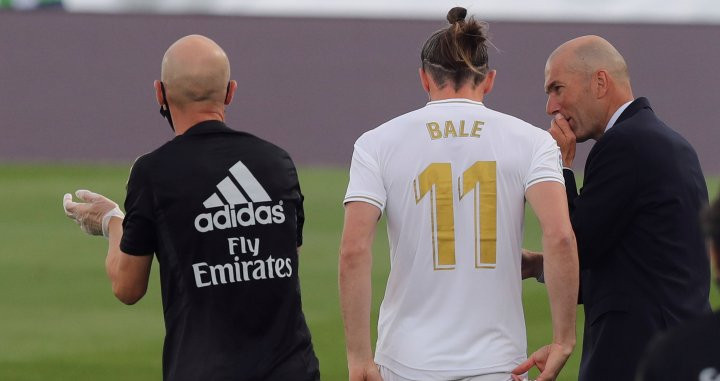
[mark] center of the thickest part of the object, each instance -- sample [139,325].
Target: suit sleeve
[602,211]
[570,188]
[659,361]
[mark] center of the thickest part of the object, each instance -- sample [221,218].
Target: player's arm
[98,215]
[560,265]
[355,267]
[129,274]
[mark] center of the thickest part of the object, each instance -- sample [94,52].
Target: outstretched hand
[549,360]
[563,134]
[93,214]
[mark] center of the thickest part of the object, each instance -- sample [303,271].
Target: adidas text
[248,215]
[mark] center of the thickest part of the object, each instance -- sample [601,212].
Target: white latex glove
[93,215]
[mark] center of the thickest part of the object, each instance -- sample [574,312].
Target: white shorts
[388,375]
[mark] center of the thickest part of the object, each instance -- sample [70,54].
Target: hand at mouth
[568,119]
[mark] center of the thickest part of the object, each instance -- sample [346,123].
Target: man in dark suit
[643,262]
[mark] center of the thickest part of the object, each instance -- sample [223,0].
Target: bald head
[195,70]
[588,54]
[586,80]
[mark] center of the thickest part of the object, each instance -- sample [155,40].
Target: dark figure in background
[691,351]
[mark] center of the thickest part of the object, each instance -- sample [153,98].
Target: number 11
[437,180]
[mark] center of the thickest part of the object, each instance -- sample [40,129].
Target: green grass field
[59,320]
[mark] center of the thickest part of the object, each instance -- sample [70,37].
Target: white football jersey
[451,178]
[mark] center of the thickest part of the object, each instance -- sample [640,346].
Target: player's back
[452,178]
[228,213]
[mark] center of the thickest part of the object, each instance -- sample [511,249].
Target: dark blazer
[643,262]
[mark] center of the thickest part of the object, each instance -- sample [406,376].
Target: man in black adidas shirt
[691,351]
[222,211]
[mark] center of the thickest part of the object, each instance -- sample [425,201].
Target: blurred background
[77,107]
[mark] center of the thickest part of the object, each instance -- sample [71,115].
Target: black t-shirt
[690,352]
[222,210]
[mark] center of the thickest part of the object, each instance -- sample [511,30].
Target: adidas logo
[242,188]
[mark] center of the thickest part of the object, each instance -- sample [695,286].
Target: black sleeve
[300,218]
[298,198]
[139,224]
[602,211]
[570,188]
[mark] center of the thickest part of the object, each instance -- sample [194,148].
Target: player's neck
[184,120]
[466,92]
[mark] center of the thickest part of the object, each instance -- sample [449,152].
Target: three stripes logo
[245,190]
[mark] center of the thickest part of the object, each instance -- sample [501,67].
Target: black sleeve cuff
[135,251]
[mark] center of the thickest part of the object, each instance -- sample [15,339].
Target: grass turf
[59,320]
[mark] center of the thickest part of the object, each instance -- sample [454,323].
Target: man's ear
[601,82]
[424,80]
[232,87]
[158,92]
[489,82]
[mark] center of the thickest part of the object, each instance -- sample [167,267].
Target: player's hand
[531,264]
[549,360]
[93,214]
[365,372]
[565,138]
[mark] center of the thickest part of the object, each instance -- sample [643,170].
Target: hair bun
[456,14]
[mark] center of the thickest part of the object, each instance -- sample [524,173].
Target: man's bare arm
[129,274]
[98,215]
[560,263]
[355,268]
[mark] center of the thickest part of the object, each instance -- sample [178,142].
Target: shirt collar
[616,115]
[207,127]
[455,100]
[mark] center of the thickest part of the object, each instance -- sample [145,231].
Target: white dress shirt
[616,115]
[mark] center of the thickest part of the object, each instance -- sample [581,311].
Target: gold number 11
[437,180]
